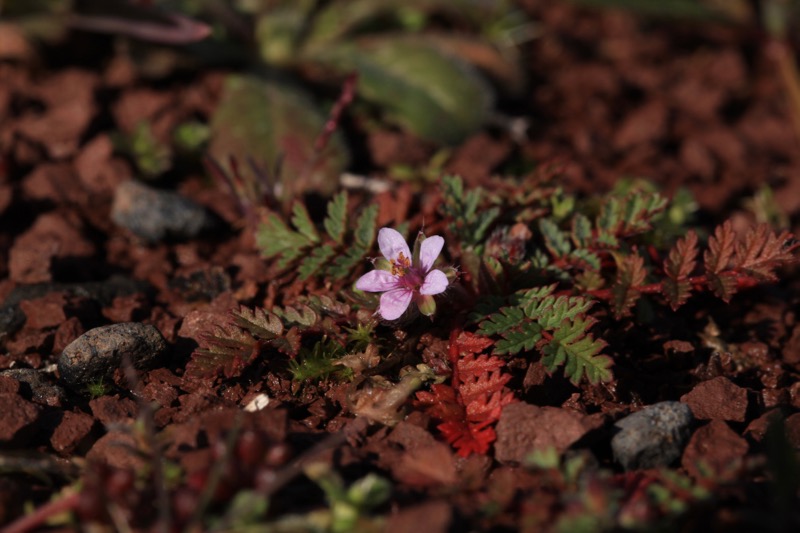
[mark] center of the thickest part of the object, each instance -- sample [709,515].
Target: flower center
[401,265]
[408,276]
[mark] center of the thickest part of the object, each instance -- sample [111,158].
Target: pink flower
[402,281]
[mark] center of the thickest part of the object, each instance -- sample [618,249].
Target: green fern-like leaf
[578,351]
[581,231]
[505,319]
[336,221]
[468,222]
[363,237]
[556,241]
[333,254]
[302,221]
[315,261]
[276,239]
[551,311]
[517,340]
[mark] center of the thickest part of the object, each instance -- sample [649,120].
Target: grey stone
[652,437]
[156,215]
[97,353]
[42,391]
[11,319]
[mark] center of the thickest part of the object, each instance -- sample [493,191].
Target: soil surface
[610,96]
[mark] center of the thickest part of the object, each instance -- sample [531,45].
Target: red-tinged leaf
[471,366]
[630,277]
[721,247]
[288,343]
[724,285]
[227,350]
[469,343]
[468,438]
[678,266]
[479,389]
[762,252]
[491,409]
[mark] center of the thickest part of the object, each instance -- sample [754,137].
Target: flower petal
[377,281]
[429,251]
[395,302]
[392,244]
[435,282]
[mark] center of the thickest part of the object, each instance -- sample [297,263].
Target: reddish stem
[41,515]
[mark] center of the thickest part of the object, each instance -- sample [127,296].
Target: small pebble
[652,437]
[156,215]
[95,355]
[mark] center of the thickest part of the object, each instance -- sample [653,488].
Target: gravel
[95,355]
[156,215]
[652,437]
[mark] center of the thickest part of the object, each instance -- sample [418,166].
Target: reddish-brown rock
[523,428]
[45,312]
[717,447]
[16,414]
[717,399]
[792,425]
[431,517]
[71,431]
[51,236]
[111,409]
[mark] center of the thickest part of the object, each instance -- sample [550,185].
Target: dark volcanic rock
[97,353]
[156,215]
[35,385]
[652,437]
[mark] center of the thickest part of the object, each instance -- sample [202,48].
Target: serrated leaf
[678,266]
[276,239]
[289,343]
[259,322]
[302,315]
[609,217]
[265,120]
[517,340]
[550,311]
[581,231]
[555,240]
[438,98]
[723,285]
[483,221]
[585,258]
[578,351]
[364,233]
[227,349]
[314,262]
[302,221]
[630,277]
[335,222]
[506,319]
[762,251]
[720,248]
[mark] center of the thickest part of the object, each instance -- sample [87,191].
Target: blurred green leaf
[729,10]
[266,120]
[438,97]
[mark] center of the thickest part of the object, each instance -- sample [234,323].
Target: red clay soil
[610,96]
